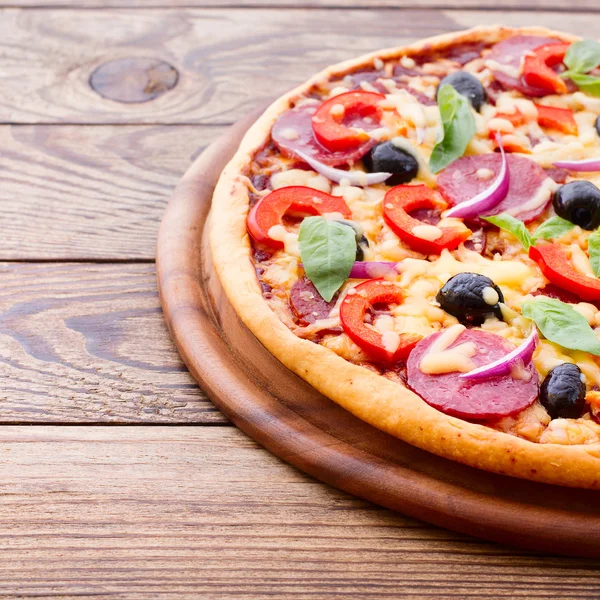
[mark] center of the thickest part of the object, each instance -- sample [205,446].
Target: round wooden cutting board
[288,417]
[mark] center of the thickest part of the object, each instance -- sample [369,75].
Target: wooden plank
[228,60]
[73,192]
[190,512]
[87,343]
[581,5]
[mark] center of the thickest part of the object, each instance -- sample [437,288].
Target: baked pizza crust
[369,396]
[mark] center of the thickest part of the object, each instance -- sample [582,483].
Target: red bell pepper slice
[404,199]
[334,121]
[561,119]
[538,72]
[554,264]
[352,314]
[270,209]
[517,118]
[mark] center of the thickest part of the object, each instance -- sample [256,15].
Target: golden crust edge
[369,396]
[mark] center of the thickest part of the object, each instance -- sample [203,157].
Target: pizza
[415,233]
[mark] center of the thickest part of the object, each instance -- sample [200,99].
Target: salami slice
[494,397]
[462,180]
[293,131]
[307,304]
[509,54]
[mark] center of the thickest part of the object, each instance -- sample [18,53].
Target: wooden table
[118,478]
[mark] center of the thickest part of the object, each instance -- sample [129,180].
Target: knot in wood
[134,79]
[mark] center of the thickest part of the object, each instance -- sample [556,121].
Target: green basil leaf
[554,227]
[587,83]
[594,251]
[512,225]
[459,127]
[562,324]
[328,251]
[583,56]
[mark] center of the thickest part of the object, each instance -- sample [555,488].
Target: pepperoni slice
[509,53]
[460,182]
[307,304]
[494,397]
[293,132]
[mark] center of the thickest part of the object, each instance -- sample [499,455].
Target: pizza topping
[555,265]
[373,270]
[562,392]
[588,164]
[362,243]
[468,85]
[578,202]
[489,398]
[562,324]
[471,298]
[529,190]
[506,58]
[489,198]
[561,119]
[299,121]
[388,157]
[328,251]
[440,360]
[392,347]
[307,304]
[359,178]
[265,218]
[458,127]
[402,200]
[512,364]
[538,71]
[341,123]
[581,58]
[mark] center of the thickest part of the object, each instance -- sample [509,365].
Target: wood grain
[580,5]
[190,512]
[228,60]
[87,343]
[90,193]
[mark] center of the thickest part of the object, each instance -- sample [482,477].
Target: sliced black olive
[471,298]
[361,241]
[563,392]
[387,158]
[598,124]
[468,85]
[578,202]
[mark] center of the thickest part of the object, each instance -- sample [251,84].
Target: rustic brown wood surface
[180,511]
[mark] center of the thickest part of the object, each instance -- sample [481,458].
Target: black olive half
[563,392]
[598,124]
[361,241]
[471,298]
[387,158]
[468,85]
[578,202]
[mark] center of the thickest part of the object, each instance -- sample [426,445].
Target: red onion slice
[588,164]
[372,270]
[489,198]
[504,365]
[359,178]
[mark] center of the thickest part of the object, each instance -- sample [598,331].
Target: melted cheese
[309,179]
[508,70]
[289,239]
[427,232]
[581,262]
[439,359]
